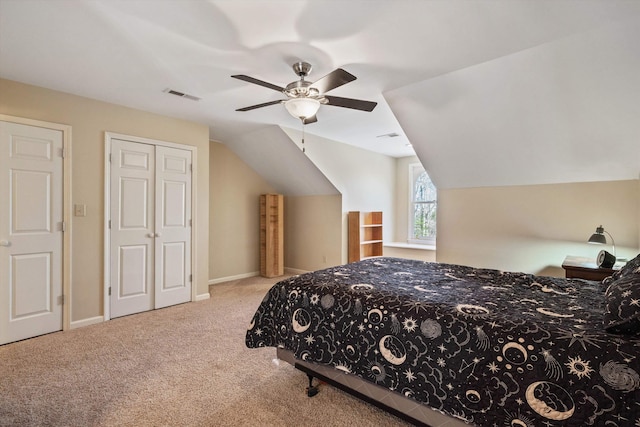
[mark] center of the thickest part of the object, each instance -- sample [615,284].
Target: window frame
[415,170]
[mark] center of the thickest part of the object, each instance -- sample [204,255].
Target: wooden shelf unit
[271,235]
[365,235]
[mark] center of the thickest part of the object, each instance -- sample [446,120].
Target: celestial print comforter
[493,348]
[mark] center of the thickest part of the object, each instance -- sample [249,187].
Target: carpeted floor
[185,365]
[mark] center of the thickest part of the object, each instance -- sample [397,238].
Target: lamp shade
[302,108]
[598,237]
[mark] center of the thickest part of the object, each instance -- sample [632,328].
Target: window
[422,210]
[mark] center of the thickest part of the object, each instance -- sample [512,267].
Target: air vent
[181,94]
[389,135]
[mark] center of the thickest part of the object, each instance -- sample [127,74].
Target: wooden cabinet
[271,235]
[365,235]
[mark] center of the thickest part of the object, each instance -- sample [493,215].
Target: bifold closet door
[132,228]
[173,227]
[150,230]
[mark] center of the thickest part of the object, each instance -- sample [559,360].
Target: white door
[173,228]
[150,234]
[132,227]
[31,237]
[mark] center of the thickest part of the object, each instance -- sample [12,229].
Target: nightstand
[585,268]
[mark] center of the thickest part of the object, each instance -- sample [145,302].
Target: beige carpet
[185,365]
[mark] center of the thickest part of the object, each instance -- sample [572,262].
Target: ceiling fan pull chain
[302,121]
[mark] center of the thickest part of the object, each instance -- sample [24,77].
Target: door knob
[150,235]
[5,243]
[158,234]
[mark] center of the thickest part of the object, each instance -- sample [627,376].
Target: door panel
[134,275]
[30,285]
[173,228]
[174,272]
[134,200]
[30,231]
[131,234]
[30,207]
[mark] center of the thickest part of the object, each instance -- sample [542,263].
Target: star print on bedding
[622,298]
[489,347]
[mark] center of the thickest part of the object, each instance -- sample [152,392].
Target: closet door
[132,233]
[150,230]
[173,227]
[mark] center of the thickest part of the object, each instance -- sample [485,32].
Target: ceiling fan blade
[257,82]
[334,79]
[356,104]
[310,120]
[265,104]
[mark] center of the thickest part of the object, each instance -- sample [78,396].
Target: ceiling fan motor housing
[302,69]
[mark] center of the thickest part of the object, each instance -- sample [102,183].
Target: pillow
[622,299]
[630,268]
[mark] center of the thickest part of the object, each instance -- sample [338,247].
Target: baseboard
[86,322]
[203,297]
[230,278]
[294,271]
[252,274]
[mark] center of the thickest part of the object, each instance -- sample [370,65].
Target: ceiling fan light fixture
[302,108]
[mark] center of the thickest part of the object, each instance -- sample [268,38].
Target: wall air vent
[181,94]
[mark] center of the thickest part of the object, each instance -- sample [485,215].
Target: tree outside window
[424,201]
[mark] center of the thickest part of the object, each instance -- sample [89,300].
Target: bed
[484,347]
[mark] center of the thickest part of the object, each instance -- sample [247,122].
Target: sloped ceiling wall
[565,111]
[271,153]
[489,92]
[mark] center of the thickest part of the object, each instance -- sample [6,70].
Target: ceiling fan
[304,98]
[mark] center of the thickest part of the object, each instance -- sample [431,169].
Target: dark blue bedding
[490,347]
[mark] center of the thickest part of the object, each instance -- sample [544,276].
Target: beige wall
[90,120]
[234,206]
[312,234]
[532,228]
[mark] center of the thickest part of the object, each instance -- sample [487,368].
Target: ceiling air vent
[181,94]
[389,135]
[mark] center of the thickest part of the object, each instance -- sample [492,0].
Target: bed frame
[396,404]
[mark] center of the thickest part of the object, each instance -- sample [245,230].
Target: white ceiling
[490,92]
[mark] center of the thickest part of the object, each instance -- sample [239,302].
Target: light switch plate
[80,210]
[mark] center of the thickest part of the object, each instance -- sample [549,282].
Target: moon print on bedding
[491,347]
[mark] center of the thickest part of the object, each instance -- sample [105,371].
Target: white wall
[365,179]
[565,111]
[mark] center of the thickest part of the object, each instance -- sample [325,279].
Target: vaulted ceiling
[488,92]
